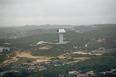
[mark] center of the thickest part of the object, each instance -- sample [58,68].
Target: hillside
[106,35]
[68,57]
[29,30]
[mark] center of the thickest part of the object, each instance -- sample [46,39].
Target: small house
[1,49]
[73,72]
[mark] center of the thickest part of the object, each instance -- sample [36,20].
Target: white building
[42,42]
[61,32]
[1,49]
[4,49]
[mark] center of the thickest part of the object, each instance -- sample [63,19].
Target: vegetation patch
[45,47]
[10,60]
[7,43]
[80,52]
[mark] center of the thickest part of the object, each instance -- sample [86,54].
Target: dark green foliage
[3,57]
[23,60]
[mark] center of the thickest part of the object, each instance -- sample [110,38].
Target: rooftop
[61,31]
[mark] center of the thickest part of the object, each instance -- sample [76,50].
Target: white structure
[86,45]
[2,49]
[61,41]
[61,32]
[42,42]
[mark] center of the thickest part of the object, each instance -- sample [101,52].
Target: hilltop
[24,31]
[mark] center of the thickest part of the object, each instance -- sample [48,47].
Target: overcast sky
[73,12]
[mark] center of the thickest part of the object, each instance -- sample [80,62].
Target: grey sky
[74,12]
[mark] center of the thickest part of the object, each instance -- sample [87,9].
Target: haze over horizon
[73,12]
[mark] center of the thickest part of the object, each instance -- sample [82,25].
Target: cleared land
[44,58]
[28,55]
[45,47]
[84,53]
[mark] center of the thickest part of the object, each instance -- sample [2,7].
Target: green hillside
[75,39]
[97,38]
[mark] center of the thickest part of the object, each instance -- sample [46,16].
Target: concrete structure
[2,49]
[42,42]
[90,73]
[61,32]
[73,72]
[61,38]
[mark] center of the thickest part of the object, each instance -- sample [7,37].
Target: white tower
[61,32]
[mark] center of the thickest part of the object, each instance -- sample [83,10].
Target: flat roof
[61,31]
